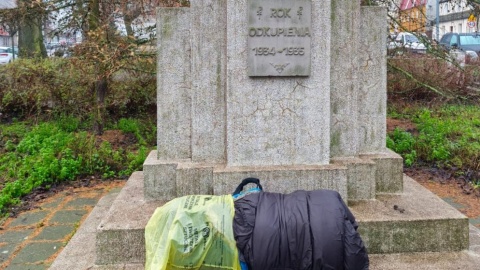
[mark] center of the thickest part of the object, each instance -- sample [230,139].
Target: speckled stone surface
[413,221]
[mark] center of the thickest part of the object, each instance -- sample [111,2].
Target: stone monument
[292,92]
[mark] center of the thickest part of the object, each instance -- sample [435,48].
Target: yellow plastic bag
[192,232]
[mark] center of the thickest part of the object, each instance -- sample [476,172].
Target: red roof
[3,32]
[408,4]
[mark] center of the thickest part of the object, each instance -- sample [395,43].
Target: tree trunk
[101,85]
[94,15]
[30,36]
[12,35]
[83,20]
[128,25]
[130,10]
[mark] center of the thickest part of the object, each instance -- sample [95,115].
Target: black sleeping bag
[300,230]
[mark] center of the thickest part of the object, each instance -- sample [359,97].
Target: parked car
[6,55]
[406,42]
[465,47]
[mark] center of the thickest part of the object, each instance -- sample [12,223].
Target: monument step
[120,234]
[355,178]
[414,221]
[170,179]
[78,256]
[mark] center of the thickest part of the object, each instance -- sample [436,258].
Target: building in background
[412,16]
[456,16]
[8,4]
[5,37]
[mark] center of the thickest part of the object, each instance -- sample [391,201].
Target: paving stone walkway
[34,239]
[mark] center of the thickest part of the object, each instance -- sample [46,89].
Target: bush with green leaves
[448,137]
[43,155]
[403,143]
[143,130]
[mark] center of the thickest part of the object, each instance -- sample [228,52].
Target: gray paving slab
[27,267]
[36,237]
[29,218]
[80,203]
[68,216]
[37,252]
[453,203]
[53,204]
[6,250]
[58,232]
[475,221]
[15,236]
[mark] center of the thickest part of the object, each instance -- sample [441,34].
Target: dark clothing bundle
[301,230]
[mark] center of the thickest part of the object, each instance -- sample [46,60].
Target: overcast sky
[7,4]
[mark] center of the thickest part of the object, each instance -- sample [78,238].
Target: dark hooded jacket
[301,230]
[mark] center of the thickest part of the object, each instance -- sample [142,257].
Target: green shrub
[42,157]
[403,143]
[142,130]
[134,161]
[433,143]
[448,137]
[57,151]
[68,123]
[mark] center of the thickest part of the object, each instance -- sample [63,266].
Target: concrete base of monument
[355,178]
[413,221]
[414,229]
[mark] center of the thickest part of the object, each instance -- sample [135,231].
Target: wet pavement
[33,240]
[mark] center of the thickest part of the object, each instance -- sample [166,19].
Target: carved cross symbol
[300,12]
[259,12]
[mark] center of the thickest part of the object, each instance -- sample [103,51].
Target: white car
[407,42]
[5,55]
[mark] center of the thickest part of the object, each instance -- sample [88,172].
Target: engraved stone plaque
[279,34]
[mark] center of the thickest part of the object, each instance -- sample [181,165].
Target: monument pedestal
[355,179]
[411,220]
[427,234]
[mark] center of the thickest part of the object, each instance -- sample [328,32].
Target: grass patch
[42,155]
[447,137]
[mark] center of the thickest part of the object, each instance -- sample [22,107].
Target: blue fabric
[243,193]
[243,265]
